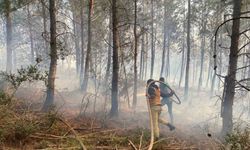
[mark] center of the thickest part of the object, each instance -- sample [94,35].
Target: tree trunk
[213,83]
[248,76]
[193,62]
[227,116]
[164,38]
[146,56]
[182,63]
[53,58]
[46,49]
[8,37]
[126,78]
[115,75]
[168,57]
[152,40]
[32,56]
[88,55]
[203,42]
[188,54]
[142,60]
[183,54]
[210,63]
[135,56]
[109,51]
[82,45]
[76,29]
[220,59]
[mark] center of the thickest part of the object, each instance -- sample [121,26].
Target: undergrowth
[239,139]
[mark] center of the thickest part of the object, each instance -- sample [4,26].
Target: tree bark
[76,28]
[146,56]
[227,116]
[142,60]
[209,64]
[109,51]
[32,56]
[53,58]
[82,45]
[44,28]
[87,61]
[164,38]
[152,40]
[213,83]
[9,62]
[115,75]
[135,56]
[188,54]
[182,63]
[168,57]
[203,42]
[220,59]
[183,54]
[248,76]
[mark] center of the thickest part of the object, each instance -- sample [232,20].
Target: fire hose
[150,113]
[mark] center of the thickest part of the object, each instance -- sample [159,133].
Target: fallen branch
[163,139]
[50,135]
[111,130]
[74,132]
[132,144]
[141,140]
[43,137]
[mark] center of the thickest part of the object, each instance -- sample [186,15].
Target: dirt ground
[197,121]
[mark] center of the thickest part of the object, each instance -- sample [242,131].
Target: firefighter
[154,97]
[166,93]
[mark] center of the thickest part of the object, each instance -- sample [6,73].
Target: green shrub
[23,128]
[4,99]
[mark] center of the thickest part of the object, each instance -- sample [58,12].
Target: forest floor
[196,121]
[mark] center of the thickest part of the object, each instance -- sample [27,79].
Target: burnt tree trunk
[87,61]
[135,56]
[115,75]
[188,54]
[53,58]
[227,116]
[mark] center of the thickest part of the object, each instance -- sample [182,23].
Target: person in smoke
[154,97]
[166,93]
